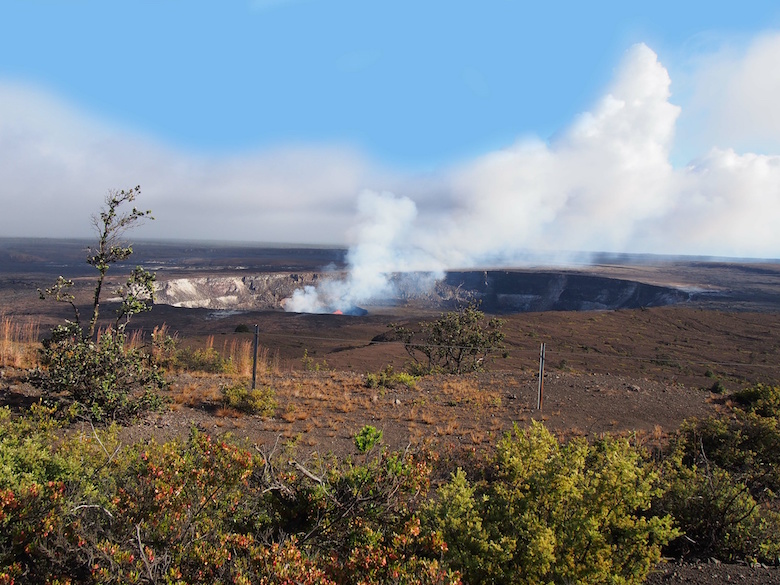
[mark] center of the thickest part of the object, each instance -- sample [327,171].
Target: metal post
[540,395]
[254,357]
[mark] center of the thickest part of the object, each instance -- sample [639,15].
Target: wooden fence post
[254,357]
[540,394]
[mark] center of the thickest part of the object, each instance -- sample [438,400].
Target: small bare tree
[109,379]
[137,295]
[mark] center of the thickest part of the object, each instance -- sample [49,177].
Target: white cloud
[587,191]
[58,164]
[734,102]
[606,184]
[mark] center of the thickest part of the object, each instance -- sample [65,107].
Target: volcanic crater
[497,291]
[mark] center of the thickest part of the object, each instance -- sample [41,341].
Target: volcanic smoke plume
[384,247]
[606,184]
[612,181]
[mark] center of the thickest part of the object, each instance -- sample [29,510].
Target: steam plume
[384,247]
[605,185]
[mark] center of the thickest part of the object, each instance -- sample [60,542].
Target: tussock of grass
[18,343]
[254,401]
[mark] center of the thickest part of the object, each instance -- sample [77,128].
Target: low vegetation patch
[546,512]
[108,379]
[724,480]
[251,400]
[80,507]
[367,438]
[388,378]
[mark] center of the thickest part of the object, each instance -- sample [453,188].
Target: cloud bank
[605,183]
[58,164]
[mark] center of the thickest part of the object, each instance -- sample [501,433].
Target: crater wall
[517,292]
[498,291]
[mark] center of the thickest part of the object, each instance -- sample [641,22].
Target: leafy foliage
[457,342]
[110,226]
[367,438]
[78,507]
[552,513]
[388,378]
[45,493]
[719,516]
[310,364]
[724,480]
[254,401]
[360,518]
[108,378]
[760,399]
[83,510]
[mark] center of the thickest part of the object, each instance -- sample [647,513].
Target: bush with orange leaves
[83,509]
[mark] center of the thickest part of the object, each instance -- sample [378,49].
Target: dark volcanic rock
[515,291]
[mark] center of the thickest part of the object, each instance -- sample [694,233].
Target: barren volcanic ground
[644,368]
[640,369]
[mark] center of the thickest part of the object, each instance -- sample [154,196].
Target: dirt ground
[713,574]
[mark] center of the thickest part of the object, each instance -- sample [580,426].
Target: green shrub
[367,438]
[761,399]
[387,378]
[360,519]
[49,483]
[723,476]
[79,509]
[718,388]
[457,342]
[310,364]
[254,401]
[108,379]
[719,516]
[552,513]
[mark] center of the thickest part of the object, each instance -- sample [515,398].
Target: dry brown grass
[323,406]
[428,417]
[346,403]
[495,424]
[227,412]
[187,395]
[468,392]
[289,415]
[18,343]
[450,427]
[194,394]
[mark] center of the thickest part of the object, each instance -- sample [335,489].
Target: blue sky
[417,84]
[266,119]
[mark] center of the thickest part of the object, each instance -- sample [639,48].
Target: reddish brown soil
[713,574]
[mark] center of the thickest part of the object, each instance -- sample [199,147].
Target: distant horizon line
[534,257]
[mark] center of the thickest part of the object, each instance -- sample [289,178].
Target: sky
[422,134]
